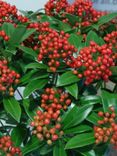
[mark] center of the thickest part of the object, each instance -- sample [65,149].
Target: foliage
[58,74]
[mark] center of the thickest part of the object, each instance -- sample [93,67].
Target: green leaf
[59,150]
[26,105]
[90,100]
[28,51]
[73,90]
[67,79]
[18,135]
[17,35]
[35,66]
[80,140]
[92,36]
[114,70]
[34,85]
[75,40]
[69,115]
[108,99]
[89,153]
[32,145]
[63,26]
[80,116]
[72,18]
[93,118]
[8,28]
[78,129]
[26,78]
[104,19]
[45,149]
[12,107]
[28,33]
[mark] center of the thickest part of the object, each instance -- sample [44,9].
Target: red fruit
[54,137]
[39,129]
[57,126]
[47,122]
[52,130]
[101,114]
[115,127]
[68,101]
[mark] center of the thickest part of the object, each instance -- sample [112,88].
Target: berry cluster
[3,35]
[111,39]
[93,62]
[107,129]
[22,19]
[6,11]
[81,8]
[55,47]
[6,146]
[53,7]
[7,78]
[46,123]
[55,100]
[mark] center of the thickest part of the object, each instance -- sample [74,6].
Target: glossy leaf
[75,40]
[34,85]
[16,40]
[69,115]
[92,36]
[32,145]
[108,99]
[18,135]
[67,79]
[26,105]
[28,51]
[63,26]
[73,90]
[80,140]
[93,118]
[78,129]
[26,78]
[8,28]
[104,19]
[45,149]
[12,107]
[78,117]
[90,100]
[35,66]
[72,18]
[28,33]
[89,153]
[59,150]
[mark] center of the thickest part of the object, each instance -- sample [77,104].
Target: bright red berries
[80,8]
[111,39]
[55,47]
[47,123]
[93,62]
[8,13]
[6,146]
[53,7]
[3,35]
[107,129]
[8,78]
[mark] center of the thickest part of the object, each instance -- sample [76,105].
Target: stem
[55,79]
